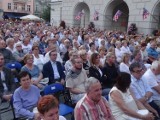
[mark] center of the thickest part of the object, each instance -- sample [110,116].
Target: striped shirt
[86,109]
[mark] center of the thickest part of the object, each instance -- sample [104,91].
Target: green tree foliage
[46,13]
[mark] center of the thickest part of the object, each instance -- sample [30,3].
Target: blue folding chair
[54,89]
[15,68]
[14,65]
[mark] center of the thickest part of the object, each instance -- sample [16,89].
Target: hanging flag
[96,15]
[145,13]
[117,15]
[79,15]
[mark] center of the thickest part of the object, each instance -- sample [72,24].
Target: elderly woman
[124,65]
[36,74]
[10,44]
[26,98]
[122,104]
[48,108]
[18,53]
[118,52]
[38,58]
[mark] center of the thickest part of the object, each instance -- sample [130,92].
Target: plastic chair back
[53,89]
[14,65]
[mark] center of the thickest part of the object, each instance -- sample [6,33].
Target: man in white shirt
[140,88]
[151,76]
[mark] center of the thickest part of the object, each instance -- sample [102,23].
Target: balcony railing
[19,1]
[17,11]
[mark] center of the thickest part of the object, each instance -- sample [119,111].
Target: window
[23,7]
[28,8]
[36,8]
[15,6]
[9,6]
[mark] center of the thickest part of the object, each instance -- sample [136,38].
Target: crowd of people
[111,75]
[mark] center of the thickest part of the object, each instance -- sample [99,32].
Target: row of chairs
[54,89]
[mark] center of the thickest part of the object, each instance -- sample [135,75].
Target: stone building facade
[132,11]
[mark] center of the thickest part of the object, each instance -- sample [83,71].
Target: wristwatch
[146,98]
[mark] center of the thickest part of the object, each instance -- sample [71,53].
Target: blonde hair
[82,52]
[26,57]
[124,56]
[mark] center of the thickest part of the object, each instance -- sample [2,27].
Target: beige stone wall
[106,8]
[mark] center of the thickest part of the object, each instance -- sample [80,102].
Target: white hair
[90,81]
[9,40]
[155,65]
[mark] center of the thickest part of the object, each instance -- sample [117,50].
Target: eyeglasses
[79,62]
[138,71]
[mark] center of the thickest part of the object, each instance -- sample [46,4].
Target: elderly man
[8,56]
[151,76]
[75,79]
[152,53]
[141,89]
[93,106]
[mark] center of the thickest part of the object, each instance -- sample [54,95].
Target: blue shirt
[25,100]
[35,72]
[140,88]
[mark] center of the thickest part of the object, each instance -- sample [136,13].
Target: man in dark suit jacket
[53,69]
[7,85]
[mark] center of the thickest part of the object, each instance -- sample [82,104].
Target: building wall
[39,6]
[19,6]
[56,13]
[132,13]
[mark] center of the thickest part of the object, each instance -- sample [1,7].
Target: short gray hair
[90,81]
[155,65]
[9,40]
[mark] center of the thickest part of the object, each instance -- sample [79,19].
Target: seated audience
[102,53]
[95,71]
[75,80]
[93,106]
[10,44]
[122,104]
[125,48]
[151,77]
[124,65]
[141,89]
[110,70]
[51,47]
[6,81]
[84,57]
[48,108]
[37,58]
[138,58]
[72,55]
[152,53]
[26,97]
[53,69]
[18,53]
[118,52]
[144,53]
[36,74]
[8,56]
[26,46]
